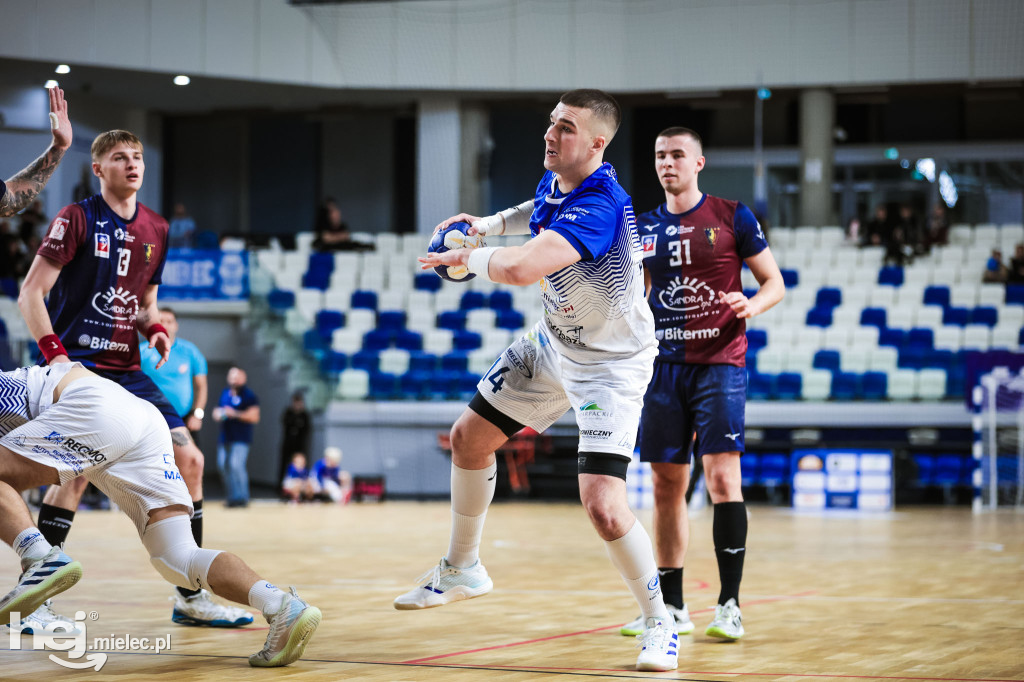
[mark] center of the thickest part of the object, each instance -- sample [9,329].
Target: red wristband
[154,328]
[51,347]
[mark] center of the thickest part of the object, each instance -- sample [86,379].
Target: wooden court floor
[919,594]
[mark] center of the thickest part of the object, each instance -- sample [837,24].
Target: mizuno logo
[730,550]
[101,223]
[732,436]
[651,227]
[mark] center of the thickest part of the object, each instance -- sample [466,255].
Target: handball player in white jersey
[592,353]
[64,421]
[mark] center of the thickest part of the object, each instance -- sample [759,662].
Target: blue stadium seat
[427,281]
[501,300]
[937,295]
[280,300]
[921,337]
[1015,294]
[316,279]
[891,275]
[911,357]
[949,470]
[467,384]
[320,262]
[828,297]
[750,293]
[455,362]
[826,359]
[875,385]
[819,317]
[510,319]
[326,321]
[790,277]
[376,340]
[383,386]
[925,470]
[472,300]
[939,358]
[788,386]
[367,360]
[760,386]
[415,385]
[422,362]
[751,358]
[313,343]
[207,239]
[845,386]
[984,314]
[363,298]
[391,320]
[452,319]
[9,287]
[333,363]
[873,317]
[463,340]
[749,466]
[756,338]
[956,382]
[892,337]
[406,339]
[774,469]
[957,316]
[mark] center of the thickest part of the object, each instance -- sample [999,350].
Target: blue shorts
[141,386]
[683,399]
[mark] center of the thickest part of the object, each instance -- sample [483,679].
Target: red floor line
[586,632]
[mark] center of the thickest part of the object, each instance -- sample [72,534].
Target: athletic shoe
[200,610]
[684,625]
[659,646]
[43,579]
[45,619]
[291,628]
[728,623]
[445,583]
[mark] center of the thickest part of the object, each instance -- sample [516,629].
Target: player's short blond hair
[104,142]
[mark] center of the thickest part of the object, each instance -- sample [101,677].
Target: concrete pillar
[438,162]
[475,156]
[817,121]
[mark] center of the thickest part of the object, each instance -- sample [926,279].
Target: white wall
[530,45]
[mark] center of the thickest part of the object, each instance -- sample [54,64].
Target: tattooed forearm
[180,437]
[26,184]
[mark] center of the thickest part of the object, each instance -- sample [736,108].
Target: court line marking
[584,632]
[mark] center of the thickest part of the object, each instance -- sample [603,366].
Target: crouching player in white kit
[593,353]
[63,421]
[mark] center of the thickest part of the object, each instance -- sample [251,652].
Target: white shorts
[534,384]
[119,442]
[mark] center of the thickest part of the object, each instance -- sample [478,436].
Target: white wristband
[480,260]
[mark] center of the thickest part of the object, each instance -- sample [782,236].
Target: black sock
[672,586]
[55,524]
[197,533]
[729,530]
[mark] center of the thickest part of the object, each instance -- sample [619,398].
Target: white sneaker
[199,610]
[445,583]
[45,619]
[728,623]
[659,646]
[684,625]
[43,579]
[290,631]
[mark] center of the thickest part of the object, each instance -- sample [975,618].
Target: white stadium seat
[931,384]
[353,384]
[902,384]
[816,384]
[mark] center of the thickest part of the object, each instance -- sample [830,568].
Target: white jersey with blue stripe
[27,392]
[595,309]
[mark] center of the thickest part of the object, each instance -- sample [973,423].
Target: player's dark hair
[104,142]
[680,130]
[599,102]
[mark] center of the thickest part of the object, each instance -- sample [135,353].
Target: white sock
[31,546]
[265,597]
[472,492]
[633,555]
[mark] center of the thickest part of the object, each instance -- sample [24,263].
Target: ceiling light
[182,80]
[63,68]
[50,84]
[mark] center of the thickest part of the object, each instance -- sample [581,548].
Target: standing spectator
[913,233]
[329,480]
[183,379]
[937,228]
[877,229]
[297,485]
[1016,274]
[181,229]
[295,424]
[332,233]
[238,411]
[995,270]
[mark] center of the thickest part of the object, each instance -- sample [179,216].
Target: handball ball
[454,237]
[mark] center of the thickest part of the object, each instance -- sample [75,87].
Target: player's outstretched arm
[25,185]
[770,291]
[519,265]
[41,277]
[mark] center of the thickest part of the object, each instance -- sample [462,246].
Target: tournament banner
[205,275]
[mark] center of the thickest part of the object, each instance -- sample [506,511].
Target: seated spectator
[297,485]
[995,270]
[329,481]
[910,225]
[897,250]
[1016,273]
[937,228]
[877,229]
[181,229]
[332,233]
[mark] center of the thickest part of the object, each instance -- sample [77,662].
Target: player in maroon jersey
[694,248]
[100,264]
